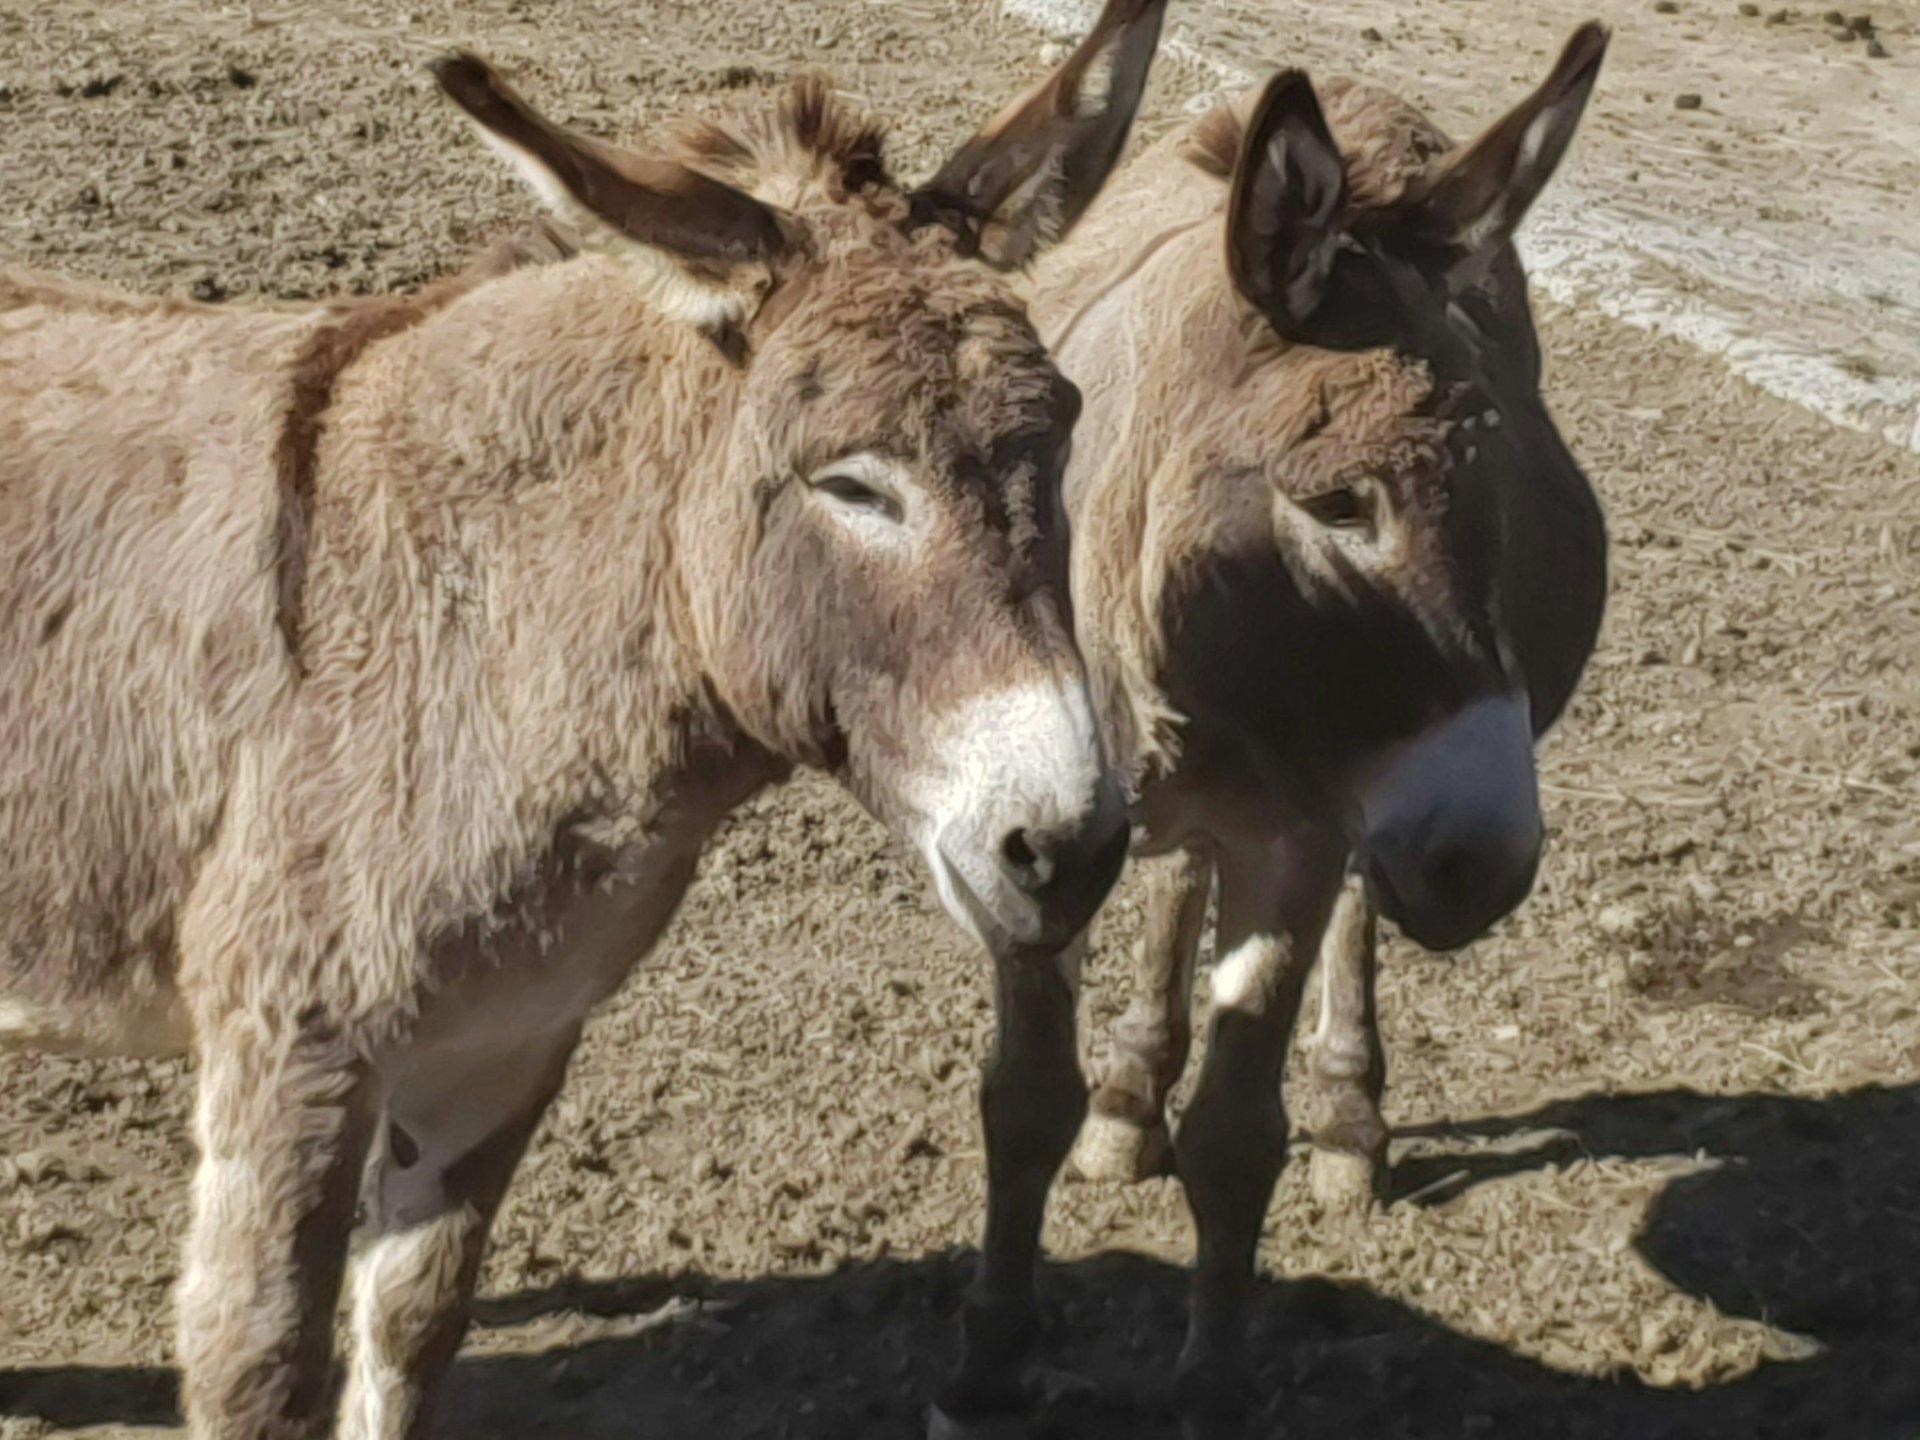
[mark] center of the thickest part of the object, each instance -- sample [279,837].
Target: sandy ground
[1658,1138]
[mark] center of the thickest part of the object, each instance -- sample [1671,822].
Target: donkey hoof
[942,1426]
[1111,1148]
[1345,1182]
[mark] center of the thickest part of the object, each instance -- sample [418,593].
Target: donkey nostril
[405,1149]
[1031,868]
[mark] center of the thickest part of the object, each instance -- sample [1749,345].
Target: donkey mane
[539,242]
[1386,142]
[806,134]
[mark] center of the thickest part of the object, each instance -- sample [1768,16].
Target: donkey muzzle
[1067,871]
[1453,831]
[1028,829]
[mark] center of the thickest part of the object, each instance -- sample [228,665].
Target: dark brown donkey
[1334,571]
[372,674]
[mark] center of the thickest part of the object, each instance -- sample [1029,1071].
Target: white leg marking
[1244,978]
[1323,1029]
[380,1393]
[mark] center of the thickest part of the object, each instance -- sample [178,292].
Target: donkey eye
[1341,508]
[856,493]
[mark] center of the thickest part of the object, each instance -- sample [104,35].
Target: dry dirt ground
[1659,1137]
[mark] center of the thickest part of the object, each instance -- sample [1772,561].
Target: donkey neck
[513,464]
[1158,199]
[1109,302]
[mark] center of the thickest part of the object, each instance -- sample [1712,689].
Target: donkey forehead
[1306,422]
[863,258]
[939,358]
[1310,418]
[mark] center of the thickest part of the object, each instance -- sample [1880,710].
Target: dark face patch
[1371,258]
[1347,592]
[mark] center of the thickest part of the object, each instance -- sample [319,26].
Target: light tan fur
[372,674]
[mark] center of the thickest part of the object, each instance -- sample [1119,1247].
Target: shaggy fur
[373,673]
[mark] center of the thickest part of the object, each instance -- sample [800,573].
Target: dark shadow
[1805,1215]
[1811,1222]
[70,1397]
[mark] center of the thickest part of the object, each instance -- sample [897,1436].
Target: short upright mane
[1213,145]
[1387,142]
[543,241]
[807,134]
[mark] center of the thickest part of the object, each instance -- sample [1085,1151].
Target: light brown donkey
[1334,570]
[371,675]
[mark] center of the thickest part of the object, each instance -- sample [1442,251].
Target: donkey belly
[117,784]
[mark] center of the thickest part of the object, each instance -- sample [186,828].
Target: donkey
[1334,571]
[374,672]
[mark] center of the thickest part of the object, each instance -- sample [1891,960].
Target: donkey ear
[1481,195]
[1021,182]
[1286,219]
[706,225]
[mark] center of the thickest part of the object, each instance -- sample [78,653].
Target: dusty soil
[1658,1138]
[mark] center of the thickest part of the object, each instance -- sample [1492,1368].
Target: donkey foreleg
[284,1116]
[1349,1160]
[1032,1101]
[1125,1136]
[1233,1136]
[456,1128]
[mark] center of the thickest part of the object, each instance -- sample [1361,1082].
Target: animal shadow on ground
[1811,1221]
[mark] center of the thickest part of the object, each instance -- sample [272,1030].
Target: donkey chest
[1222,794]
[544,962]
[554,957]
[565,942]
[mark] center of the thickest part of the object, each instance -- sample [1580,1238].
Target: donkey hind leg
[1349,1160]
[1125,1137]
[283,1121]
[1233,1135]
[1032,1100]
[456,1129]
